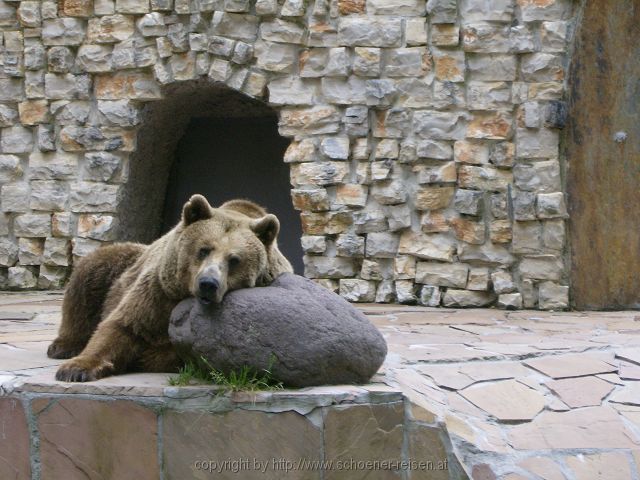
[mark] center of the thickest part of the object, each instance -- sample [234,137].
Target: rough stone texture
[246,321]
[362,433]
[404,114]
[21,278]
[14,443]
[191,436]
[69,429]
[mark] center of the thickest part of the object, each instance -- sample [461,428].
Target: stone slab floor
[522,395]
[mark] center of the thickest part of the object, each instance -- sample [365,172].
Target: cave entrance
[209,139]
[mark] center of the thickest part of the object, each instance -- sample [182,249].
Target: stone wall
[196,432]
[424,158]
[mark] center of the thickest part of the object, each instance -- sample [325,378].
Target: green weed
[245,379]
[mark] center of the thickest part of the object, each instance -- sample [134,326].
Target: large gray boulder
[314,336]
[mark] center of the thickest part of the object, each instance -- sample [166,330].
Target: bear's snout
[208,288]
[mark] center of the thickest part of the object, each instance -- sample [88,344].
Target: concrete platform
[479,394]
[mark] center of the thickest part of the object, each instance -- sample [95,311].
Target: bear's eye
[204,253]
[234,261]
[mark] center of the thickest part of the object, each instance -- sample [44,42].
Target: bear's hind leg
[140,321]
[86,293]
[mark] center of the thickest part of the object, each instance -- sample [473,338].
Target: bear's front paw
[84,369]
[62,349]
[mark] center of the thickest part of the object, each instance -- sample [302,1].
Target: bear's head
[218,251]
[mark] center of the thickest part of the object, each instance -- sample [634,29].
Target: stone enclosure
[424,151]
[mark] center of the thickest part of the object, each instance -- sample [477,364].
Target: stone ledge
[341,432]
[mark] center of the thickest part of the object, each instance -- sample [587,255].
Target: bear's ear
[197,208]
[266,228]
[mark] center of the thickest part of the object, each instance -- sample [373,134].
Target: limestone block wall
[425,134]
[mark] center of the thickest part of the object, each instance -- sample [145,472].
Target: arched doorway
[207,138]
[603,157]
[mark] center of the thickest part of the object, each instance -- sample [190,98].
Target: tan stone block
[352,195]
[490,125]
[30,251]
[484,178]
[433,198]
[33,112]
[309,121]
[314,200]
[240,434]
[500,231]
[61,225]
[442,173]
[434,222]
[329,223]
[14,440]
[347,7]
[425,445]
[506,400]
[98,435]
[110,28]
[449,66]
[387,148]
[471,152]
[416,31]
[478,279]
[468,298]
[75,8]
[303,151]
[127,85]
[468,230]
[404,267]
[255,84]
[97,226]
[545,91]
[427,246]
[363,433]
[445,34]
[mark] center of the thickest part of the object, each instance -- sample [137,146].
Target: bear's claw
[83,370]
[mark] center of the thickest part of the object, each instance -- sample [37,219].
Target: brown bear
[116,309]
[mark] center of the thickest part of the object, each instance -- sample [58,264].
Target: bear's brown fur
[119,298]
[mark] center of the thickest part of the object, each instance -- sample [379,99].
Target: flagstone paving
[522,395]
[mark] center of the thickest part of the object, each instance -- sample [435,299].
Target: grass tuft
[245,379]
